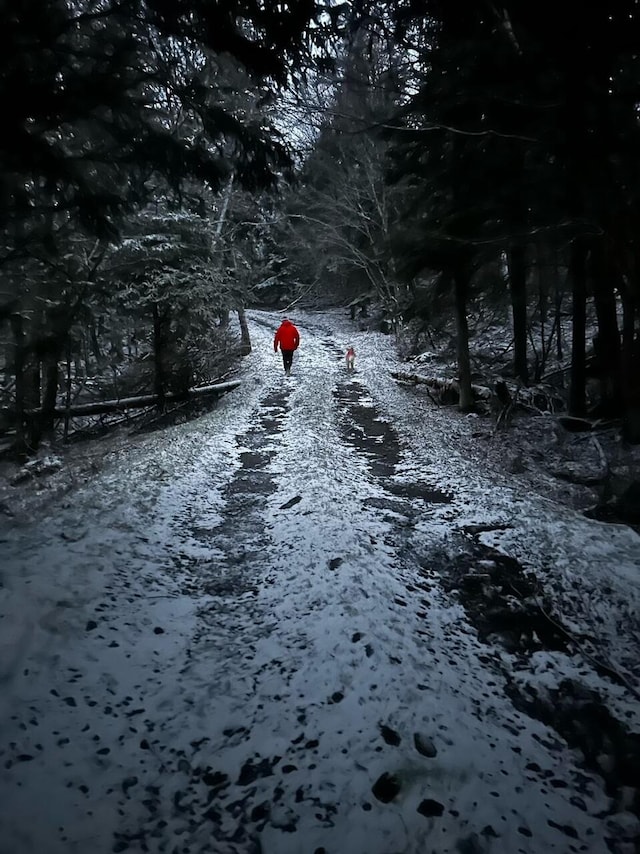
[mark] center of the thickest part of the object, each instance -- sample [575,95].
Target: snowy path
[246,636]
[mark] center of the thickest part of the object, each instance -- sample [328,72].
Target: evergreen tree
[539,104]
[117,101]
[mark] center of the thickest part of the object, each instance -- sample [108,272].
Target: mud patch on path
[507,607]
[421,491]
[608,749]
[504,602]
[364,429]
[238,539]
[273,411]
[244,494]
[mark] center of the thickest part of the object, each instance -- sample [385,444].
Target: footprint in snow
[430,808]
[390,735]
[424,745]
[386,787]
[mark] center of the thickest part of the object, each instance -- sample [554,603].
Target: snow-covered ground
[284,628]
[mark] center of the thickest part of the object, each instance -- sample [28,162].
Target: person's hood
[286,322]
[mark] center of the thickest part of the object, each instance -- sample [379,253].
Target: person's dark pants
[287,359]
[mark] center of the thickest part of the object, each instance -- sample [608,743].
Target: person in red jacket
[288,337]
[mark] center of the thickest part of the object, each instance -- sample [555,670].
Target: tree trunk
[67,391]
[544,266]
[557,307]
[630,368]
[160,324]
[245,338]
[142,401]
[95,345]
[579,182]
[461,288]
[32,374]
[50,391]
[542,319]
[518,289]
[17,328]
[607,342]
[578,273]
[226,198]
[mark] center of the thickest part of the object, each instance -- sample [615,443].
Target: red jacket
[287,336]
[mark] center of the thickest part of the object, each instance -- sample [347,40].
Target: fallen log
[103,407]
[448,389]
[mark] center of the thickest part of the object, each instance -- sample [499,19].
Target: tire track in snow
[337,729]
[377,440]
[275,677]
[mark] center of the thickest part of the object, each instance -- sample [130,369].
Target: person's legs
[287,359]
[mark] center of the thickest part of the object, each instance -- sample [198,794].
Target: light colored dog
[351,359]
